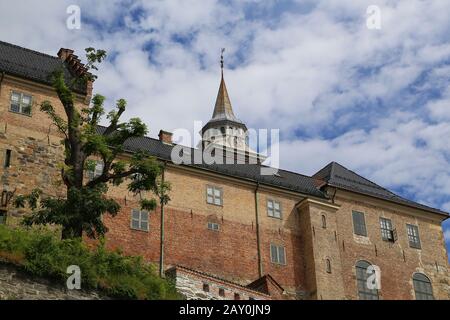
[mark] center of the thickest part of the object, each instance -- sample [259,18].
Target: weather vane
[221,59]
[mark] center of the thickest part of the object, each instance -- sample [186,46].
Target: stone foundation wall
[17,285]
[191,283]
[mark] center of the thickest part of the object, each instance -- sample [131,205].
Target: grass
[40,253]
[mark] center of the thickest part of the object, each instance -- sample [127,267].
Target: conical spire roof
[223,109]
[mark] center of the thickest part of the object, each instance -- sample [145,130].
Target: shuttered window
[413,236]
[359,223]
[387,233]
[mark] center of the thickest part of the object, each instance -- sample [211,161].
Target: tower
[225,132]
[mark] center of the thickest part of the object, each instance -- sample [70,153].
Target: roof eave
[430,210]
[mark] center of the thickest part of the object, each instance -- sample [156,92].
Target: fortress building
[231,232]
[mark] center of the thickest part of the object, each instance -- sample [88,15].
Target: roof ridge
[29,50]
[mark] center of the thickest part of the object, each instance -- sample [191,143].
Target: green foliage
[42,254]
[87,201]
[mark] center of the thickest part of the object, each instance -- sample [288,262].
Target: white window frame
[22,105]
[140,220]
[99,166]
[215,197]
[271,209]
[277,260]
[213,226]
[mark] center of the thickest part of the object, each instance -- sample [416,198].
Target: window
[237,296]
[273,209]
[422,287]
[413,236]
[387,233]
[7,162]
[214,195]
[222,292]
[362,275]
[2,216]
[206,287]
[139,220]
[277,254]
[328,264]
[97,171]
[324,221]
[359,224]
[20,103]
[213,226]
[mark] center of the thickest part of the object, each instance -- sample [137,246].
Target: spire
[223,109]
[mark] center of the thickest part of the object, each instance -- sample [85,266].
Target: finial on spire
[221,59]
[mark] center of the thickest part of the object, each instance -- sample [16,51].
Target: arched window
[422,287]
[324,221]
[328,262]
[364,293]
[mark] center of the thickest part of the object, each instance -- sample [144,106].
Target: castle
[231,232]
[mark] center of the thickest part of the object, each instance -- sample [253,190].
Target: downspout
[161,256]
[1,80]
[258,239]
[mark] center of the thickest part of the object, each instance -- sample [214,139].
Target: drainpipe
[258,240]
[161,256]
[1,80]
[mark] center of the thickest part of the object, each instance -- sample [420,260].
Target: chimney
[63,54]
[78,69]
[165,137]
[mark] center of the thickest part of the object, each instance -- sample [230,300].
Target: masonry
[16,284]
[228,227]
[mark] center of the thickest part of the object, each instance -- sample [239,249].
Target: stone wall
[17,285]
[191,284]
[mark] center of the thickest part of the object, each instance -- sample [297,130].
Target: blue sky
[377,101]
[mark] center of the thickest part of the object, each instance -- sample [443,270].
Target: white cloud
[352,94]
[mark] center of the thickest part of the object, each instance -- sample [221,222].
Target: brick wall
[397,261]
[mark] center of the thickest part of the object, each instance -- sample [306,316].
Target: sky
[375,100]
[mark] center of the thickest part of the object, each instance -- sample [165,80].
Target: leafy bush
[42,254]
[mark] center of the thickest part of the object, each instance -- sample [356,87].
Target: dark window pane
[362,275]
[422,287]
[135,224]
[359,223]
[15,107]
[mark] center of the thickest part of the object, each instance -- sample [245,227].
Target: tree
[86,199]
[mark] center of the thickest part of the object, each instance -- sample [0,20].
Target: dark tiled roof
[32,65]
[252,172]
[338,176]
